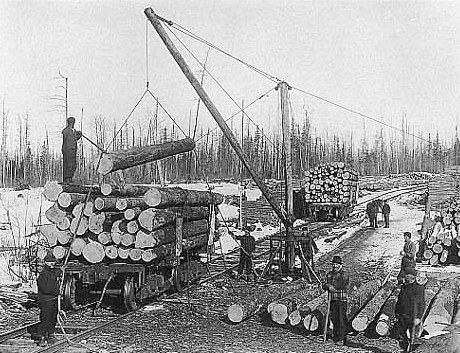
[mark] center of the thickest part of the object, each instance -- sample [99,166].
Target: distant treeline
[214,158]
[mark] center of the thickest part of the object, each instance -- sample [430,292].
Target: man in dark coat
[337,283]
[70,136]
[48,291]
[309,249]
[371,210]
[408,256]
[247,247]
[386,213]
[409,309]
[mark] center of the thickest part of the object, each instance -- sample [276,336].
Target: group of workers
[410,304]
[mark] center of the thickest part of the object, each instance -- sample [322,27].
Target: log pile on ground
[133,223]
[442,242]
[331,183]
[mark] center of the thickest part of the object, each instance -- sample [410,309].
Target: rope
[275,79]
[204,41]
[220,85]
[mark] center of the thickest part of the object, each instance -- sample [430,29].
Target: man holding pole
[337,283]
[70,136]
[409,309]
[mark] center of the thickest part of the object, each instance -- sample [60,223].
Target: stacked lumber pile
[442,243]
[135,223]
[331,183]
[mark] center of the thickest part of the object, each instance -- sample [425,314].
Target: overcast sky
[381,58]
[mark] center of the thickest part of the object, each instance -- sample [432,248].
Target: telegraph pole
[283,87]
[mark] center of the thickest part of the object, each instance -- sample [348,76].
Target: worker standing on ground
[408,256]
[247,247]
[48,291]
[409,309]
[309,249]
[70,136]
[371,211]
[386,213]
[337,283]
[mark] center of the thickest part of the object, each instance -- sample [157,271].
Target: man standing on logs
[247,247]
[408,257]
[409,310]
[386,213]
[48,291]
[337,283]
[70,136]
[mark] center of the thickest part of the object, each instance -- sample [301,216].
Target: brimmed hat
[407,234]
[337,260]
[411,271]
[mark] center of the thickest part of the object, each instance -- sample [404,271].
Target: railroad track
[81,325]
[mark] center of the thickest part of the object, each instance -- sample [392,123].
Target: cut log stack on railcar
[331,191]
[134,241]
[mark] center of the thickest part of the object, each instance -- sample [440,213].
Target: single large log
[111,252]
[51,190]
[152,218]
[167,197]
[64,223]
[67,199]
[259,298]
[94,252]
[359,297]
[314,313]
[144,240]
[122,159]
[370,311]
[59,252]
[282,308]
[442,308]
[132,213]
[386,317]
[64,237]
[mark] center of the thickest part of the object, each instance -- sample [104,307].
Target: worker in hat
[337,283]
[247,247]
[308,249]
[409,309]
[70,136]
[408,256]
[48,291]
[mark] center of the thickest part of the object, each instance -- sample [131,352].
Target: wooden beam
[212,109]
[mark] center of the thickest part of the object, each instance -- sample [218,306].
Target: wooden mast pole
[289,202]
[212,109]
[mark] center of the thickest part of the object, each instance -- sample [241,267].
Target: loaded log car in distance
[330,191]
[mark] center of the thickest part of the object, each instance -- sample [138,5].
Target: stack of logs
[130,223]
[442,243]
[331,183]
[371,307]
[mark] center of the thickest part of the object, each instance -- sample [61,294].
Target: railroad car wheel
[176,275]
[129,294]
[70,289]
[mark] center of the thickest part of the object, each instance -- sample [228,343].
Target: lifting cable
[220,85]
[273,78]
[204,41]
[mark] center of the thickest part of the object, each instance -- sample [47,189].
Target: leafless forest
[214,158]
